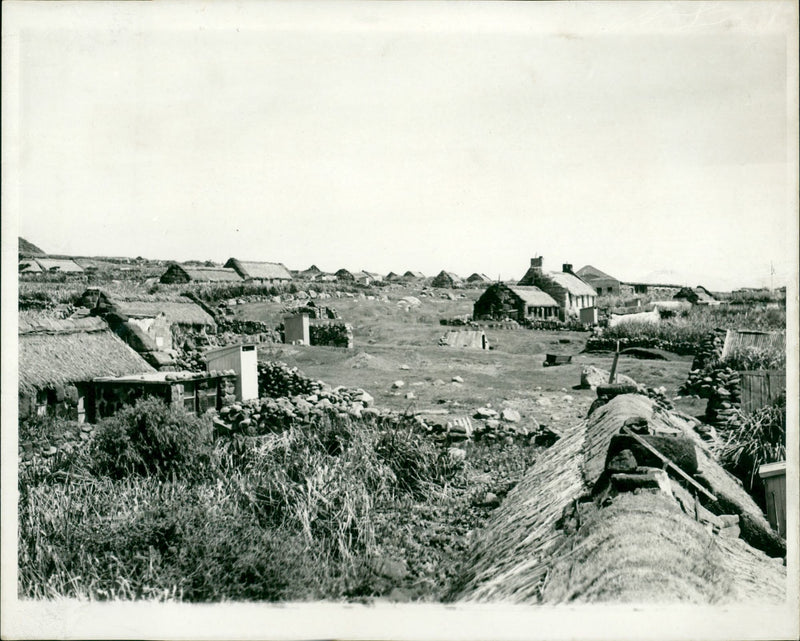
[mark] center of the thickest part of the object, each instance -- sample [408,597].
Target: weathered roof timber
[640,548]
[69,351]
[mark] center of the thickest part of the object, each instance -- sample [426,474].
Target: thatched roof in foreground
[641,548]
[55,352]
[182,313]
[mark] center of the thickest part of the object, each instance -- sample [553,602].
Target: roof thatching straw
[550,543]
[61,352]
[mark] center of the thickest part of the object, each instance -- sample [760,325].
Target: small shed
[412,276]
[242,359]
[478,278]
[473,339]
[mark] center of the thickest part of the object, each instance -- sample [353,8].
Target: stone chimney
[536,264]
[566,268]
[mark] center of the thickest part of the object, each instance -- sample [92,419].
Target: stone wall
[332,335]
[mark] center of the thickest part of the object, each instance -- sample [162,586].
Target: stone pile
[72,437]
[710,378]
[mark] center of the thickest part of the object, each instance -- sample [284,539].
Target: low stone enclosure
[601,517]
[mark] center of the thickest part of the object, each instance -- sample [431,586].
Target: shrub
[152,439]
[755,439]
[754,358]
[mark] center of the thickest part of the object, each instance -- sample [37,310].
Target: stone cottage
[59,359]
[568,290]
[447,279]
[501,301]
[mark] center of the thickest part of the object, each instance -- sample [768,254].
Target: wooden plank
[613,374]
[668,462]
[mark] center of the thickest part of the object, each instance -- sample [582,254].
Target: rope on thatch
[544,545]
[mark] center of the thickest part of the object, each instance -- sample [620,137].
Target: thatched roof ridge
[43,325]
[572,283]
[259,270]
[181,313]
[211,273]
[533,295]
[641,547]
[63,352]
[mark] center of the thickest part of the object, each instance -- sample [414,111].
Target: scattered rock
[485,412]
[405,367]
[457,379]
[490,500]
[410,395]
[544,402]
[510,416]
[398,384]
[456,454]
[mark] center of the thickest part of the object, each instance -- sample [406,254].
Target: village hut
[184,274]
[475,277]
[411,276]
[58,359]
[603,284]
[501,301]
[260,271]
[570,292]
[447,279]
[374,277]
[392,277]
[344,276]
[576,530]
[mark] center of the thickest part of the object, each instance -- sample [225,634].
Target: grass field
[392,344]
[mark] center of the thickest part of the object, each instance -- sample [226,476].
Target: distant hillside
[27,248]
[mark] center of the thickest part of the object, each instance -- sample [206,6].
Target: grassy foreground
[156,507]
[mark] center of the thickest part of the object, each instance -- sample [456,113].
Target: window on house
[189,397]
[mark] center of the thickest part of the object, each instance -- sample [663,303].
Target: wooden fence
[760,388]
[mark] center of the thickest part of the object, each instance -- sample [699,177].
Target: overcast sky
[649,140]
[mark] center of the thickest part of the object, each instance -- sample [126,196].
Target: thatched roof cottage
[501,301]
[150,323]
[262,271]
[573,530]
[184,274]
[478,278]
[59,359]
[446,279]
[568,290]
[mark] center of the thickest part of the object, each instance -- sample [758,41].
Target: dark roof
[410,274]
[259,270]
[57,352]
[533,296]
[478,278]
[593,273]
